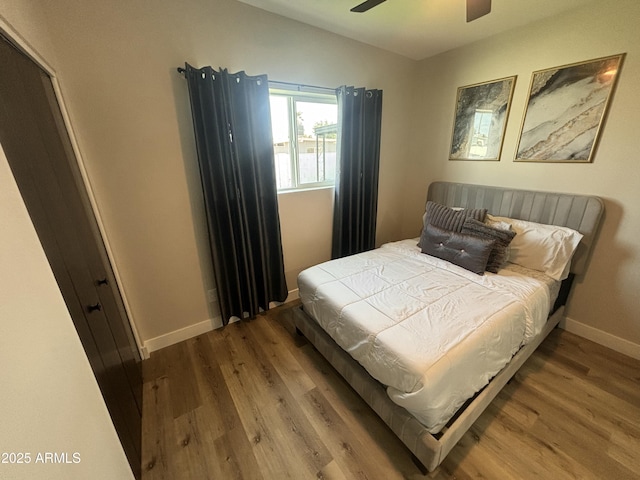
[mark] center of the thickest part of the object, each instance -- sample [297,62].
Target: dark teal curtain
[356,189]
[232,124]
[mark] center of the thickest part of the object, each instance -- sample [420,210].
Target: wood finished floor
[255,401]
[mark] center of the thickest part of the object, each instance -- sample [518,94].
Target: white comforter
[430,331]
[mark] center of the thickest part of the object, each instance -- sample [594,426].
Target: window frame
[293,97]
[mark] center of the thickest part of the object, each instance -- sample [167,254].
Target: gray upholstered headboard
[580,212]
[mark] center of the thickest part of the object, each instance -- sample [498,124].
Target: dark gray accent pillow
[448,218]
[466,251]
[502,239]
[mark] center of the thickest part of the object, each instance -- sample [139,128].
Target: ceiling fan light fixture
[477,9]
[368,5]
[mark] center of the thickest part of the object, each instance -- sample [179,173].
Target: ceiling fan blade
[368,5]
[477,9]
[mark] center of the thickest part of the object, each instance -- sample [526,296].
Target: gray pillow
[466,251]
[502,239]
[448,218]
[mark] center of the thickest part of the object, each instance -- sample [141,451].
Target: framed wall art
[481,113]
[566,109]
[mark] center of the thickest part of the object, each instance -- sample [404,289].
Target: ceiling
[415,28]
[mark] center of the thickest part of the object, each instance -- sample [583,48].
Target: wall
[50,400]
[129,108]
[605,304]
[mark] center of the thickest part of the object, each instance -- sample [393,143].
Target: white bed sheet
[432,332]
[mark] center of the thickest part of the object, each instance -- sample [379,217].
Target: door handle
[102,281]
[93,308]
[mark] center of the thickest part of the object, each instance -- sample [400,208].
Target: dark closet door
[39,151]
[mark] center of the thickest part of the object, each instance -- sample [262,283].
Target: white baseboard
[603,338]
[194,330]
[144,352]
[293,295]
[177,336]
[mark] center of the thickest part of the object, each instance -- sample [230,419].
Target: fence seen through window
[305,130]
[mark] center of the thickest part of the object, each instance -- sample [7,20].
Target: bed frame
[579,212]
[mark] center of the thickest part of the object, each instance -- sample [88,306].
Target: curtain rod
[289,84]
[302,86]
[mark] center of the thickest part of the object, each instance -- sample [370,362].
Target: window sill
[302,190]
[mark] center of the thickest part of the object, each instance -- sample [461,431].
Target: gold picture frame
[566,109]
[481,113]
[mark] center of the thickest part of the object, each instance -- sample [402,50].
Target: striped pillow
[450,218]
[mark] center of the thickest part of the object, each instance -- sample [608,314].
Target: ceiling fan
[475,8]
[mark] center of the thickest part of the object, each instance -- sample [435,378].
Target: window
[482,121]
[305,130]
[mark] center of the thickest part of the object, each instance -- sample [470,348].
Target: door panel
[99,269]
[37,146]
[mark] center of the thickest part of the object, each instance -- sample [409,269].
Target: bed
[428,338]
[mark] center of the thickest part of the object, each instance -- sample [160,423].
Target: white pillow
[546,248]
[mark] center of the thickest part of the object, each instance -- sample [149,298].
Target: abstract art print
[565,111]
[480,120]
